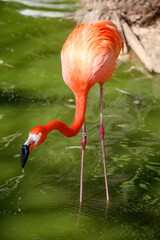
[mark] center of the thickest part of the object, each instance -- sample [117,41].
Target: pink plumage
[88,57]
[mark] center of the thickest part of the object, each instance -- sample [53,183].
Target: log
[136,46]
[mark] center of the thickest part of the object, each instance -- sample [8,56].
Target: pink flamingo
[88,57]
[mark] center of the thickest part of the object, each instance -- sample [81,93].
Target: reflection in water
[79,147]
[40,13]
[1,116]
[137,99]
[44,5]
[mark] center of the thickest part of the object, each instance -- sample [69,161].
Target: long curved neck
[81,104]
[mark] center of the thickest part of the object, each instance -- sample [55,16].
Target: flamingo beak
[24,155]
[26,149]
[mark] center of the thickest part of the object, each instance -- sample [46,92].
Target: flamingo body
[88,57]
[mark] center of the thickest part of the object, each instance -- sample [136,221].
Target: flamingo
[88,57]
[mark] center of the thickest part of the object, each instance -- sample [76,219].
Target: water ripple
[7,188]
[8,139]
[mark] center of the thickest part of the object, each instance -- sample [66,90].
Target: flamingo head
[36,136]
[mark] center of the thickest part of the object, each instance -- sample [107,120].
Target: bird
[88,56]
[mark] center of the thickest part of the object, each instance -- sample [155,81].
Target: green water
[43,202]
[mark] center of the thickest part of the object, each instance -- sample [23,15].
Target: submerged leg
[83,144]
[101,132]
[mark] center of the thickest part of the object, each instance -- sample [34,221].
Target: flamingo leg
[101,132]
[83,144]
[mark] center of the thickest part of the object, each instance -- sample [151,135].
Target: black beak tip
[24,155]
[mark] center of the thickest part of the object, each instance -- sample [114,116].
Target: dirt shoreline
[141,32]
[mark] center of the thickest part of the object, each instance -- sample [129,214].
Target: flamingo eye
[40,134]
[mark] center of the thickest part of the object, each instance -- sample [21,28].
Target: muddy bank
[138,21]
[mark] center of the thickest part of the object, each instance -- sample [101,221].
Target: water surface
[42,203]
